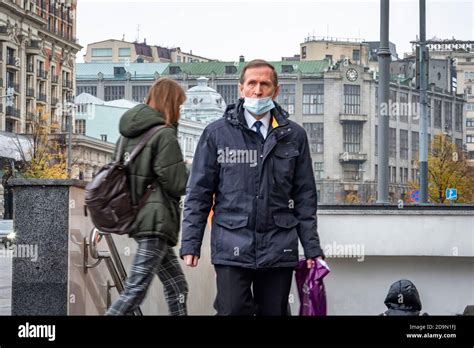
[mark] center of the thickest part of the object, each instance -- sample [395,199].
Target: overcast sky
[263,28]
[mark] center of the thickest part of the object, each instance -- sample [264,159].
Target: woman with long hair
[159,164]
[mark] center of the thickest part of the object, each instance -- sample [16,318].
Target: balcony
[13,62]
[54,102]
[41,74]
[33,47]
[352,157]
[41,98]
[54,79]
[30,92]
[352,118]
[12,112]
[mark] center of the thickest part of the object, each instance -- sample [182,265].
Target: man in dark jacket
[254,168]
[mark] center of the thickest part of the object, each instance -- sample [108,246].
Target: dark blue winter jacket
[263,195]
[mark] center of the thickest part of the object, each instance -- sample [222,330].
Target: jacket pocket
[286,151]
[285,220]
[284,241]
[283,164]
[231,221]
[234,241]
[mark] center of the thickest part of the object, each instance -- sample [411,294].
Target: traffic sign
[415,196]
[451,194]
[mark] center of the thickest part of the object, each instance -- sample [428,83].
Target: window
[403,175]
[303,52]
[103,137]
[101,52]
[470,122]
[231,69]
[286,98]
[415,175]
[230,93]
[415,145]
[329,57]
[415,108]
[437,113]
[80,127]
[313,99]
[376,102]
[319,170]
[351,171]
[448,116]
[87,89]
[139,93]
[352,137]
[351,99]
[287,69]
[189,144]
[458,118]
[458,143]
[403,144]
[392,142]
[124,52]
[392,174]
[356,54]
[470,138]
[392,100]
[376,140]
[469,106]
[315,133]
[114,92]
[403,107]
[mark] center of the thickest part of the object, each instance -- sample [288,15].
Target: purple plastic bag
[309,282]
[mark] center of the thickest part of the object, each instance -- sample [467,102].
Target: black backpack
[108,196]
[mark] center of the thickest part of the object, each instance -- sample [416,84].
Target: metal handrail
[112,259]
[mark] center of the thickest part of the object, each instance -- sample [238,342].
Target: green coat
[160,162]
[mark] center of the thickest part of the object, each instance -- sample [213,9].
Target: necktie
[257,125]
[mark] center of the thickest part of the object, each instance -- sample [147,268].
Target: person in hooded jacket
[403,299]
[253,168]
[158,222]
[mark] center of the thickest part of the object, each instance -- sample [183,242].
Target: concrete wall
[367,247]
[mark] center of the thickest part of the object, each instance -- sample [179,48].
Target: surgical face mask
[258,106]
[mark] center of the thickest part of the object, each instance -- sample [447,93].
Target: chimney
[241,59]
[191,52]
[144,40]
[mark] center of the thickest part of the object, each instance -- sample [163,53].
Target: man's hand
[312,262]
[190,260]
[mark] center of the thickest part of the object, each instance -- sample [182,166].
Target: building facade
[37,58]
[335,49]
[114,51]
[337,105]
[461,55]
[99,120]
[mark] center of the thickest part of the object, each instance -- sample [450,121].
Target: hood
[403,296]
[138,120]
[234,113]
